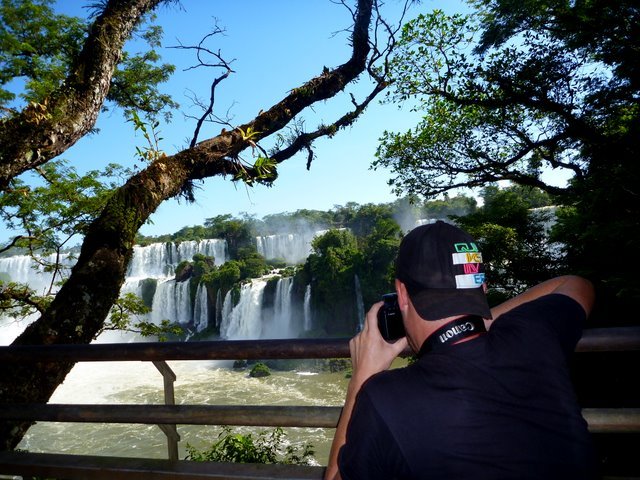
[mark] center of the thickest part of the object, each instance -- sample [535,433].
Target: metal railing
[167,416]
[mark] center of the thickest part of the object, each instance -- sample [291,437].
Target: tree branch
[44,130]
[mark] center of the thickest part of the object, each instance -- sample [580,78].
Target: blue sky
[277,45]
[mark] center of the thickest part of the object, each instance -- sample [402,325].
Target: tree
[376,267]
[78,310]
[331,270]
[531,85]
[366,217]
[237,232]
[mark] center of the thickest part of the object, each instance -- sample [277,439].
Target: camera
[390,319]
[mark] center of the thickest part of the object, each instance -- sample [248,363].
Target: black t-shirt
[500,406]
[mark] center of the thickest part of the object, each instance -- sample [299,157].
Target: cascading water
[244,320]
[293,248]
[24,269]
[160,259]
[281,326]
[218,308]
[171,302]
[249,319]
[151,261]
[307,309]
[171,299]
[201,309]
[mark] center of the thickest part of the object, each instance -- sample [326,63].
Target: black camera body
[390,319]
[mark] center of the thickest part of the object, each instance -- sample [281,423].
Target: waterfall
[359,302]
[25,270]
[225,312]
[150,276]
[152,261]
[218,308]
[250,319]
[293,248]
[160,259]
[282,314]
[201,308]
[172,301]
[244,321]
[211,247]
[307,308]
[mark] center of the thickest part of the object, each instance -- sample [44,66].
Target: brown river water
[198,382]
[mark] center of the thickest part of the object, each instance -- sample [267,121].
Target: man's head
[442,269]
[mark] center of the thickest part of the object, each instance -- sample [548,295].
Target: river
[208,383]
[198,382]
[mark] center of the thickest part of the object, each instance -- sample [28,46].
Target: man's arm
[370,354]
[578,288]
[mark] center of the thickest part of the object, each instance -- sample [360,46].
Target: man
[490,396]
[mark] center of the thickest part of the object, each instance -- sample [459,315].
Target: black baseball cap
[442,269]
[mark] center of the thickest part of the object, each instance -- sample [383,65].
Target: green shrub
[265,447]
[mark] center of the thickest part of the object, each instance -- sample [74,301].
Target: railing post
[169,430]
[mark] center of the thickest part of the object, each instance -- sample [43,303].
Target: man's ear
[403,295]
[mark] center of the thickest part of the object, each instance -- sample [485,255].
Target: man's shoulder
[548,308]
[391,382]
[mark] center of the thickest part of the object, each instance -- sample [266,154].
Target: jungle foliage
[522,87]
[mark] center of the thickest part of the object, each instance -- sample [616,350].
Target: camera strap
[453,332]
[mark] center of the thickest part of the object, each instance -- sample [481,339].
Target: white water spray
[293,248]
[282,310]
[201,308]
[244,320]
[307,308]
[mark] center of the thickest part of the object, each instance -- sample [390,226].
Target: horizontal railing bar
[201,350]
[246,415]
[81,467]
[593,340]
[613,339]
[600,420]
[612,420]
[123,468]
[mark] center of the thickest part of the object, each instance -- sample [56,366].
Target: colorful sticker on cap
[472,280]
[468,257]
[465,247]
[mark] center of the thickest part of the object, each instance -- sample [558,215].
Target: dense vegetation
[519,88]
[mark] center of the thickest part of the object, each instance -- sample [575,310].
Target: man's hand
[370,353]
